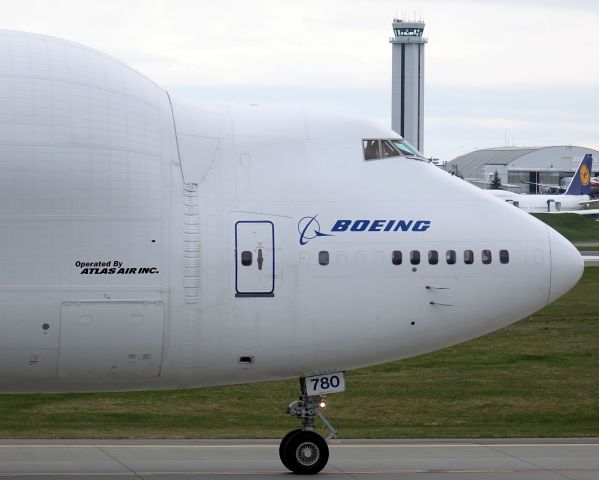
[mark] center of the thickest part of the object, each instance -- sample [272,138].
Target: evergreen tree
[496,182]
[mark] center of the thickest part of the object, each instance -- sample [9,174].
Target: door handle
[260,259]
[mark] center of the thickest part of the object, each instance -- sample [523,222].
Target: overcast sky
[525,72]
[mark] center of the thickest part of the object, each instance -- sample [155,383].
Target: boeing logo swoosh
[308,229]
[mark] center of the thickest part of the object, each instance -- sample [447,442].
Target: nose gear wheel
[303,451]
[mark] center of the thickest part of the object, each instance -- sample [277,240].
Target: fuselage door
[254,259]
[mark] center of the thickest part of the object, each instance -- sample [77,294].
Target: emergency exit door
[254,259]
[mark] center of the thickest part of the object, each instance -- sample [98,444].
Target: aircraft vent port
[246,359]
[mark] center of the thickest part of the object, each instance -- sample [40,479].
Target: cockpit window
[388,150]
[384,148]
[371,149]
[405,148]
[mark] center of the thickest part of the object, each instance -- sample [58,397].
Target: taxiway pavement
[590,258]
[496,459]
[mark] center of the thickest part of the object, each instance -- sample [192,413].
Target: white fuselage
[542,203]
[146,244]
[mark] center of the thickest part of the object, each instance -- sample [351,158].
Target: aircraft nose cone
[567,265]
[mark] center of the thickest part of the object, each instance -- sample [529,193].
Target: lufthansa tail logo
[308,229]
[585,175]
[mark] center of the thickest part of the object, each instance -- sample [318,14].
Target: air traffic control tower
[407,89]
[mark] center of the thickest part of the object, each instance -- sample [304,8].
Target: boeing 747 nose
[148,243]
[567,265]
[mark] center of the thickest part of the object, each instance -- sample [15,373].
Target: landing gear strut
[303,451]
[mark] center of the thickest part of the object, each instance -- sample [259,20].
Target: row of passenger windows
[451,257]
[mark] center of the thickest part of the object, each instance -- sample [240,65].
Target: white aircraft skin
[538,203]
[123,218]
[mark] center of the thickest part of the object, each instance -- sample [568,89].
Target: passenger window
[371,149]
[433,257]
[396,257]
[486,256]
[246,258]
[468,257]
[504,256]
[414,257]
[450,257]
[323,257]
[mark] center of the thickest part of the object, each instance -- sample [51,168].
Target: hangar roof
[468,165]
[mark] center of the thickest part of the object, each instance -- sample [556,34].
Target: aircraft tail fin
[581,181]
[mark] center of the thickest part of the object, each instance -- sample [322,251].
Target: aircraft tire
[306,453]
[284,444]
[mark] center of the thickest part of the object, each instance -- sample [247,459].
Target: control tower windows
[408,32]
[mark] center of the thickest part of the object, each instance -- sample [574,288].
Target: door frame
[271,293]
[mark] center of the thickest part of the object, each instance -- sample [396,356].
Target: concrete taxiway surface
[505,459]
[591,258]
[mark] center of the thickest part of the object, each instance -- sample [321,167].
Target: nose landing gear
[303,451]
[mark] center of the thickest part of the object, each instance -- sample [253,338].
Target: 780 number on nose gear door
[327,383]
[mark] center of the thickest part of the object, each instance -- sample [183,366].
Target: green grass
[537,378]
[577,228]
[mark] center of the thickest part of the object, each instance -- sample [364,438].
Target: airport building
[516,165]
[407,87]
